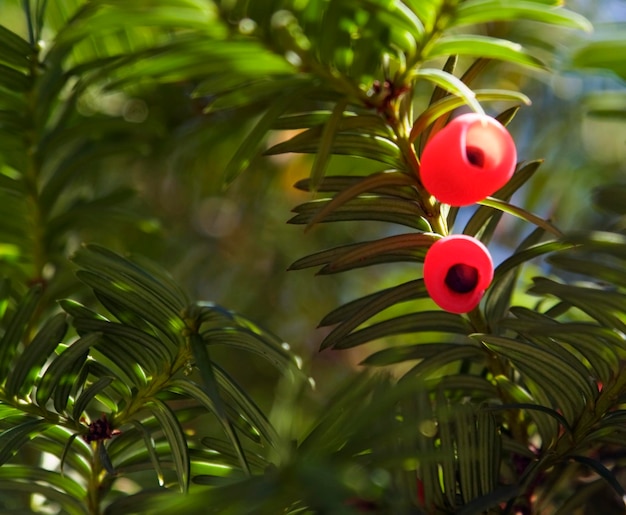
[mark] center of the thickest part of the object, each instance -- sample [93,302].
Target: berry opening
[475,156]
[461,278]
[457,271]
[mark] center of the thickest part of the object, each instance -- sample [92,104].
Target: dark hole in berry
[475,156]
[462,278]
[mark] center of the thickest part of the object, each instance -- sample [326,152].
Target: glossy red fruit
[457,271]
[468,160]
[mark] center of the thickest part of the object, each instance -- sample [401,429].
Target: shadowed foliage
[123,390]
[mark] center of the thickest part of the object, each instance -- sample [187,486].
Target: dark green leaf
[16,325]
[374,303]
[150,352]
[373,208]
[425,321]
[522,214]
[326,144]
[367,146]
[365,252]
[162,289]
[336,183]
[366,184]
[352,315]
[210,388]
[254,141]
[239,338]
[81,403]
[176,439]
[528,406]
[493,499]
[64,368]
[604,272]
[27,367]
[11,41]
[604,473]
[12,439]
[66,452]
[485,214]
[603,305]
[548,369]
[151,448]
[118,359]
[399,354]
[528,254]
[246,408]
[453,353]
[611,198]
[137,301]
[14,80]
[547,426]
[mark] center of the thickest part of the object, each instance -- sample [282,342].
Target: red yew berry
[457,271]
[468,160]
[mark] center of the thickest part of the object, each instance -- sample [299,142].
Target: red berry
[457,271]
[468,160]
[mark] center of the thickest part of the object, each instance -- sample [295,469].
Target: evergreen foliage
[118,392]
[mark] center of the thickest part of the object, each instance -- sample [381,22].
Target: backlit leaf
[485,47]
[453,85]
[482,11]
